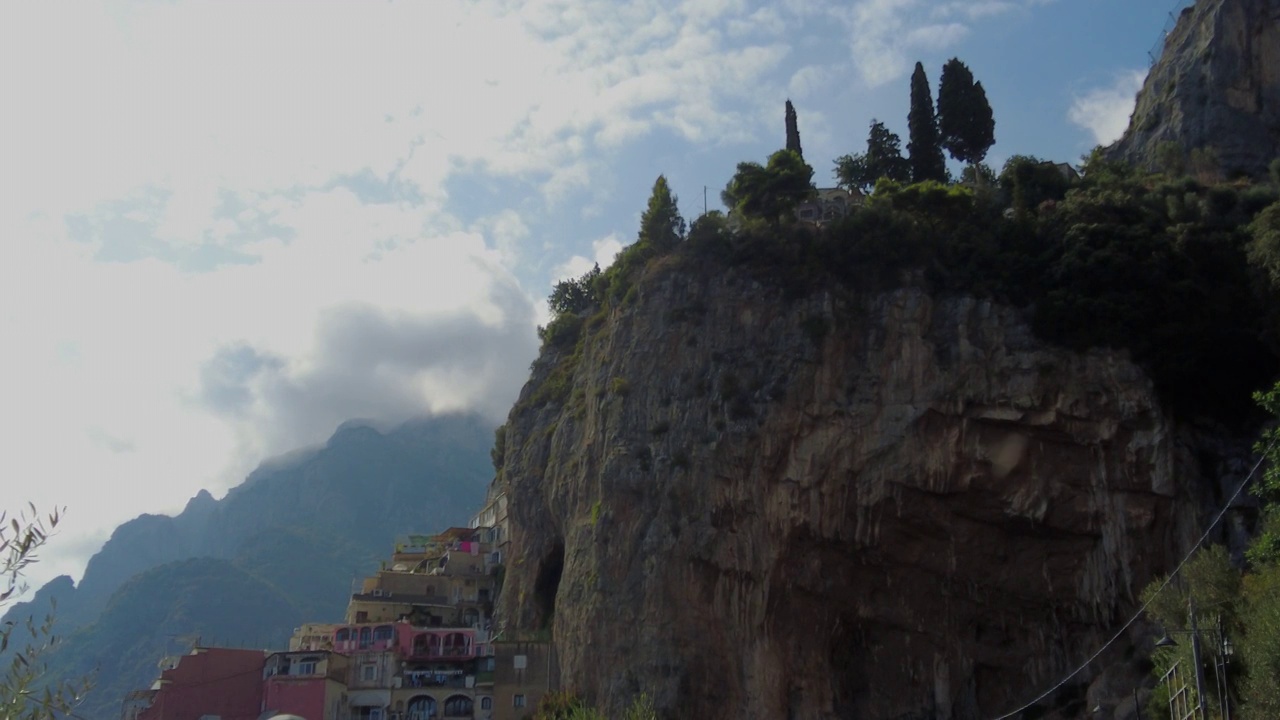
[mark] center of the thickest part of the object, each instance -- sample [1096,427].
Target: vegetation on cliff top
[1181,271]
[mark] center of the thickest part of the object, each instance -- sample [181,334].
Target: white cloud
[809,80]
[1105,111]
[220,216]
[936,37]
[886,32]
[603,252]
[887,36]
[232,226]
[129,385]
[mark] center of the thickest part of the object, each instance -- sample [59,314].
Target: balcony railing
[433,680]
[442,651]
[354,646]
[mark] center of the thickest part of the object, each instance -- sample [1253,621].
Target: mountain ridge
[293,534]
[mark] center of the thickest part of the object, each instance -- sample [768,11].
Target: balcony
[426,679]
[441,652]
[348,647]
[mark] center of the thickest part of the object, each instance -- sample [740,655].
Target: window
[486,703]
[517,701]
[343,635]
[368,672]
[521,662]
[362,616]
[306,666]
[382,633]
[458,705]
[366,636]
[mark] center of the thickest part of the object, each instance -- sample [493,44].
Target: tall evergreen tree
[923,144]
[661,224]
[793,131]
[965,120]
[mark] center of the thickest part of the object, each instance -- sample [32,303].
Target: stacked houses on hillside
[418,643]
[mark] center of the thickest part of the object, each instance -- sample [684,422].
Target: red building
[308,684]
[210,681]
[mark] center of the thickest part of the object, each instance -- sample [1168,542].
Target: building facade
[417,643]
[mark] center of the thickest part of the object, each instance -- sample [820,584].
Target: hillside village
[419,641]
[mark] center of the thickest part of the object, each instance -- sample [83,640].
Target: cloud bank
[1105,111]
[232,226]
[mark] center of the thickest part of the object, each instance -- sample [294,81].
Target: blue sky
[232,226]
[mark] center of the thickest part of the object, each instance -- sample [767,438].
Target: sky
[232,226]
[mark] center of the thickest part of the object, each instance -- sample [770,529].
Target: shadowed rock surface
[860,506]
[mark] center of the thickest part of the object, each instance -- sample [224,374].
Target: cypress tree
[793,131]
[965,121]
[661,224]
[924,145]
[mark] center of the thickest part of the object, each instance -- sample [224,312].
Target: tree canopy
[965,121]
[924,145]
[883,159]
[25,693]
[573,296]
[769,191]
[1029,181]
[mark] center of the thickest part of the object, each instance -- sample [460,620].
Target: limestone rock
[875,506]
[1216,85]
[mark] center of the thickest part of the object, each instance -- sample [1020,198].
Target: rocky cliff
[1216,85]
[888,505]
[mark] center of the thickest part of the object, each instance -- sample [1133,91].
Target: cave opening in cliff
[548,584]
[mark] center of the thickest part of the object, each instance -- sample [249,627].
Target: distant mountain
[280,549]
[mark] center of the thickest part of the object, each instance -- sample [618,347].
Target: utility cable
[1165,584]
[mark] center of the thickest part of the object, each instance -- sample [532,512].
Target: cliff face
[1217,85]
[892,506]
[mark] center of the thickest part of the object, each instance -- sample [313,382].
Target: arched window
[342,635]
[366,635]
[486,703]
[382,632]
[458,705]
[422,707]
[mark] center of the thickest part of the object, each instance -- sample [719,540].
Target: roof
[456,533]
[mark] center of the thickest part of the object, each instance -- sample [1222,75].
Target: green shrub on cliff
[1242,604]
[1172,271]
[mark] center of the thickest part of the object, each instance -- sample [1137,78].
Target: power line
[1143,609]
